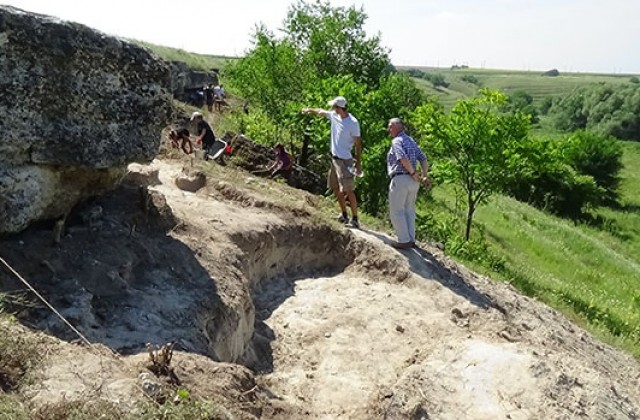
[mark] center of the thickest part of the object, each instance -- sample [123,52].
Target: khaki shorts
[339,175]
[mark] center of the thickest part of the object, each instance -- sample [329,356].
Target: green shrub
[547,181]
[598,156]
[470,78]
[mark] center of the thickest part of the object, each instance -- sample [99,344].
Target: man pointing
[345,133]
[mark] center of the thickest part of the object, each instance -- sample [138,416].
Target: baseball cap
[195,114]
[338,101]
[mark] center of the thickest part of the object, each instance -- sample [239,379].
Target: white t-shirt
[343,131]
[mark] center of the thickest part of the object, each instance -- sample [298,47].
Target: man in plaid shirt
[402,160]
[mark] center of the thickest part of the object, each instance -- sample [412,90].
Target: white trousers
[403,191]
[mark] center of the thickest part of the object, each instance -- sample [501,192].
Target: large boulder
[76,106]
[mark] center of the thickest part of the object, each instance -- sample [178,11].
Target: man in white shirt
[345,133]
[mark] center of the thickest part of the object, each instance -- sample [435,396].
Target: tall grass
[591,272]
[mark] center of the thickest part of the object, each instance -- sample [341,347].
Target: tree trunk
[471,208]
[305,153]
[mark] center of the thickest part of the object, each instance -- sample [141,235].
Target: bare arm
[315,111]
[358,142]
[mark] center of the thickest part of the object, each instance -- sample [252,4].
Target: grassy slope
[590,273]
[534,83]
[203,62]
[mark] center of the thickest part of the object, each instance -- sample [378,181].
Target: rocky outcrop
[76,106]
[184,78]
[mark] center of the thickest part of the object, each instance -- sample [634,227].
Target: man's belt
[398,173]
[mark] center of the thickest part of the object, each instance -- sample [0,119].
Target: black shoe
[343,219]
[355,223]
[402,245]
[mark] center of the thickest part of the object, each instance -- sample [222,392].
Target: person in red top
[283,164]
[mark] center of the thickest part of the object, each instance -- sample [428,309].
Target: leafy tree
[476,144]
[546,180]
[606,109]
[271,75]
[333,40]
[598,156]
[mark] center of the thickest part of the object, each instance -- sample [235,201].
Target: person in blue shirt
[402,160]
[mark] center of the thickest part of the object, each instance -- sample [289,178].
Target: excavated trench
[123,282]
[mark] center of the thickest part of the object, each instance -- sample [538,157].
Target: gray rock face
[76,106]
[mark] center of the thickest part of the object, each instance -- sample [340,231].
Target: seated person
[282,165]
[182,135]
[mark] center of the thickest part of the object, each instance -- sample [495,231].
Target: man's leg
[353,203]
[397,212]
[410,209]
[341,200]
[332,183]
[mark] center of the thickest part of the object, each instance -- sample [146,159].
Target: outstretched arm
[315,111]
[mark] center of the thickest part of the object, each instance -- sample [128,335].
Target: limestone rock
[76,106]
[191,182]
[142,175]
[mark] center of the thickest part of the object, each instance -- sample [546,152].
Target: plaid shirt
[403,146]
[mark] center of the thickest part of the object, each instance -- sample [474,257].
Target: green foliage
[470,78]
[598,156]
[545,105]
[333,41]
[324,53]
[475,143]
[270,75]
[523,102]
[634,79]
[546,180]
[603,108]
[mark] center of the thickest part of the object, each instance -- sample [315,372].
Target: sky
[570,35]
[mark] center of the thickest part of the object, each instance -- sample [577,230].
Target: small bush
[470,78]
[634,79]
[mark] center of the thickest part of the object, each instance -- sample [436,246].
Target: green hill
[534,83]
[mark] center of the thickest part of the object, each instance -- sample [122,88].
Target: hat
[338,101]
[195,115]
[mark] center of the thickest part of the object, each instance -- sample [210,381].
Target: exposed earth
[278,313]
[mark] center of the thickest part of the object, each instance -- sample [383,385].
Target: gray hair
[397,121]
